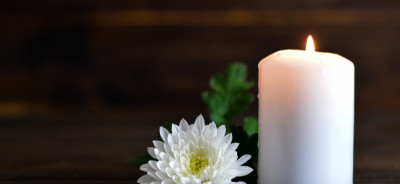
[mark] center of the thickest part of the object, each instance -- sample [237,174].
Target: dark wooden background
[84,85]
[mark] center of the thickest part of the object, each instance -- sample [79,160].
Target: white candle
[306,112]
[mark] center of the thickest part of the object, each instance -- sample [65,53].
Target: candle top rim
[302,54]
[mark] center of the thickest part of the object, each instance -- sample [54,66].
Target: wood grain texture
[84,85]
[83,58]
[97,151]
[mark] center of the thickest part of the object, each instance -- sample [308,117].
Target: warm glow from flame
[310,44]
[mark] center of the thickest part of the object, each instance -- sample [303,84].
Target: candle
[306,118]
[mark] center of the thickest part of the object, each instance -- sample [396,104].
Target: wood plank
[201,18]
[68,151]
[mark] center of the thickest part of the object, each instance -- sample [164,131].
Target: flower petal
[232,147]
[146,168]
[151,152]
[199,122]
[159,145]
[145,179]
[221,130]
[164,134]
[243,159]
[244,170]
[184,125]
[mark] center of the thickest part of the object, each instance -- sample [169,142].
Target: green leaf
[228,97]
[251,126]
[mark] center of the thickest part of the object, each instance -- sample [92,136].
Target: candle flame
[310,44]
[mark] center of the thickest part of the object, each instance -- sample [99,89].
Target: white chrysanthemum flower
[194,154]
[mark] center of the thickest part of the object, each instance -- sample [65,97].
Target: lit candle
[306,115]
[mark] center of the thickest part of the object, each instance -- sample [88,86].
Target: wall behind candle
[131,58]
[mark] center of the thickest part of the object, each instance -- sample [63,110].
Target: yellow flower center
[198,162]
